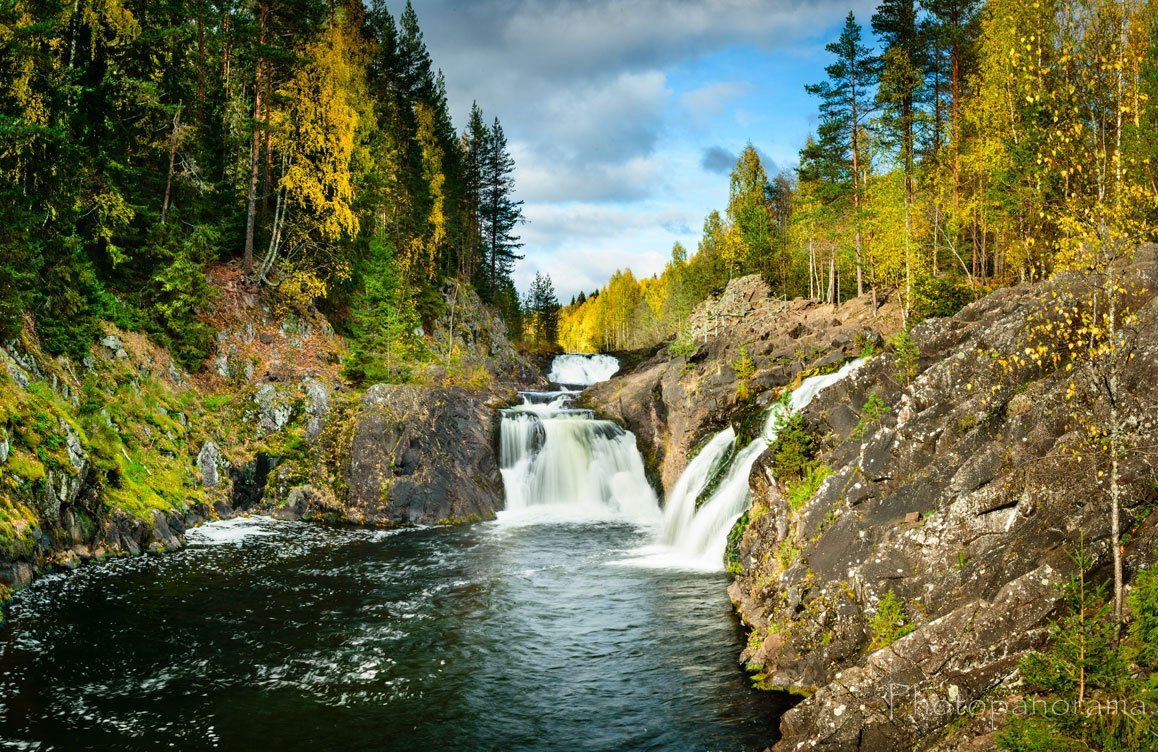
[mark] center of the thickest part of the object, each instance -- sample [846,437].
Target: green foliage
[1088,689]
[874,409]
[179,291]
[732,551]
[908,356]
[683,345]
[384,347]
[793,451]
[798,493]
[938,297]
[1143,602]
[744,369]
[867,344]
[890,622]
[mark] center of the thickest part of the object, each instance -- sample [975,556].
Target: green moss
[17,523]
[469,519]
[732,552]
[25,466]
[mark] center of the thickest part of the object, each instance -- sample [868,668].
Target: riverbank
[908,542]
[123,452]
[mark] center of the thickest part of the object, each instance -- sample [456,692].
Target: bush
[799,493]
[908,356]
[937,297]
[792,451]
[890,623]
[1086,669]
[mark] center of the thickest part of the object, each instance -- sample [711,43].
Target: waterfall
[579,369]
[696,538]
[560,460]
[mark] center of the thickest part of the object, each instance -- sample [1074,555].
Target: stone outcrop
[964,497]
[404,454]
[674,401]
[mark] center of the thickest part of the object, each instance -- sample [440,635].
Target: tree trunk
[172,162]
[255,144]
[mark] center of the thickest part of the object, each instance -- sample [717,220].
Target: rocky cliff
[960,497]
[121,453]
[966,470]
[680,395]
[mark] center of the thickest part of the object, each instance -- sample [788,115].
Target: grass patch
[798,493]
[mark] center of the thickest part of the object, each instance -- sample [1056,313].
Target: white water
[559,462]
[697,538]
[580,369]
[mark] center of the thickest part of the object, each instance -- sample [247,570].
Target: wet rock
[422,455]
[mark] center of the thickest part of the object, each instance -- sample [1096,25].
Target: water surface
[266,635]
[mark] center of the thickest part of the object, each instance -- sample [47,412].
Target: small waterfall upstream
[560,461]
[581,369]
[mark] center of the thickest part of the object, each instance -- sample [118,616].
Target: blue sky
[624,115]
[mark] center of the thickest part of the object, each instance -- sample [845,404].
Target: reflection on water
[285,636]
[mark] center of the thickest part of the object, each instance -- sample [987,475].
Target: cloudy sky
[625,116]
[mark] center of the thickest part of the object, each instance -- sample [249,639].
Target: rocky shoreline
[955,502]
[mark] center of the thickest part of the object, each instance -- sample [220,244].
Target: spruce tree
[499,214]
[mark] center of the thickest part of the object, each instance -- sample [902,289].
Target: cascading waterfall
[559,459]
[697,538]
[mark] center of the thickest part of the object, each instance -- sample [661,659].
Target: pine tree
[845,104]
[499,214]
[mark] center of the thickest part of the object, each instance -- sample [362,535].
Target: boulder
[212,464]
[422,455]
[273,409]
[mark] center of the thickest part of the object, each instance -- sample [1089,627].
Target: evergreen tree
[543,308]
[838,155]
[499,214]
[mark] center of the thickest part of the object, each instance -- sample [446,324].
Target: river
[510,635]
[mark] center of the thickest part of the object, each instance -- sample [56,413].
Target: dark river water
[274,636]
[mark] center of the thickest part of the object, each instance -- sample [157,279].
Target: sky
[625,116]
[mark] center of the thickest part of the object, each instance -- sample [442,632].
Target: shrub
[908,356]
[937,297]
[799,493]
[890,623]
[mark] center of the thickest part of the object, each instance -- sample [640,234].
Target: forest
[960,147]
[308,141]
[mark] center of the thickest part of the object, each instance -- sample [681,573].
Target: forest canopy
[307,141]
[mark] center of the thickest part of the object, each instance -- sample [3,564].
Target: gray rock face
[673,403]
[114,346]
[422,455]
[317,407]
[5,446]
[273,409]
[212,464]
[965,501]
